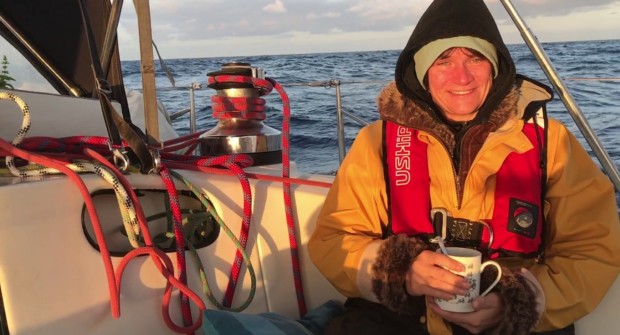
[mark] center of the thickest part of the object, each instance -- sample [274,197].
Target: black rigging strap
[118,129]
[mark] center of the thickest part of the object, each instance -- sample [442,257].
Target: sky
[213,28]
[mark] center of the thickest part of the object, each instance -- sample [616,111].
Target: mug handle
[499,275]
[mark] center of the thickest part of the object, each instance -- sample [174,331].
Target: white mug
[471,259]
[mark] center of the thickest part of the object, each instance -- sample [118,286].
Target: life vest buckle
[439,217]
[458,231]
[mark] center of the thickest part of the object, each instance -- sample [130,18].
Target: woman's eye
[479,60]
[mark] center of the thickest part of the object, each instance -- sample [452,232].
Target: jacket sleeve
[348,232]
[582,251]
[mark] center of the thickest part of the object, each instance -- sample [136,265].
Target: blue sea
[590,70]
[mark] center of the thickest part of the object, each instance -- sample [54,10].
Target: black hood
[452,18]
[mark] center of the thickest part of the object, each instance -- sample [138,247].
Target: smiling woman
[484,168]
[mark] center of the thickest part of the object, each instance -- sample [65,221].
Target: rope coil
[250,108]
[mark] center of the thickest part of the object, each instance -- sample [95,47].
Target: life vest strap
[459,232]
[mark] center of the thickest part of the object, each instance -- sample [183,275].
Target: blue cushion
[218,322]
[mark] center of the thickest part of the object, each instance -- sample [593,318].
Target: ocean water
[590,70]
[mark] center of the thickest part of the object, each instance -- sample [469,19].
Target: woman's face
[459,81]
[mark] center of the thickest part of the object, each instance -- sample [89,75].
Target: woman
[463,137]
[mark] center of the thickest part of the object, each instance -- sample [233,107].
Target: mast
[567,98]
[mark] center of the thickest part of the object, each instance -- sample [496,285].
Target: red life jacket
[517,214]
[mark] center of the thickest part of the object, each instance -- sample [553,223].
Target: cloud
[314,16]
[378,10]
[199,21]
[276,7]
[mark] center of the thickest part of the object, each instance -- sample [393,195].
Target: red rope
[238,107]
[186,293]
[189,329]
[249,108]
[182,142]
[264,86]
[232,106]
[288,204]
[235,164]
[10,150]
[179,239]
[170,159]
[74,144]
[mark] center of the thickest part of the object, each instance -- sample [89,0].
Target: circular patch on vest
[523,217]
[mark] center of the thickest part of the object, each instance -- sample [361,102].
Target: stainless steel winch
[238,134]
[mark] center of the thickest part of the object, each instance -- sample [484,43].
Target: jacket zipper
[457,182]
[457,160]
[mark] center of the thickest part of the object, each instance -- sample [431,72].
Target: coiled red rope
[244,108]
[248,108]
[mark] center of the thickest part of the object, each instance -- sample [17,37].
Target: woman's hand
[428,275]
[488,312]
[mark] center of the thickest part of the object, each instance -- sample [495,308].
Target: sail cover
[54,30]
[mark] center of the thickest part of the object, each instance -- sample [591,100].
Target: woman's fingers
[429,275]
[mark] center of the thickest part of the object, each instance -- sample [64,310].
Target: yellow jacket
[583,229]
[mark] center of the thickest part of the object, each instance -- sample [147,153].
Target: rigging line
[593,79]
[173,160]
[329,83]
[265,86]
[164,66]
[326,83]
[378,81]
